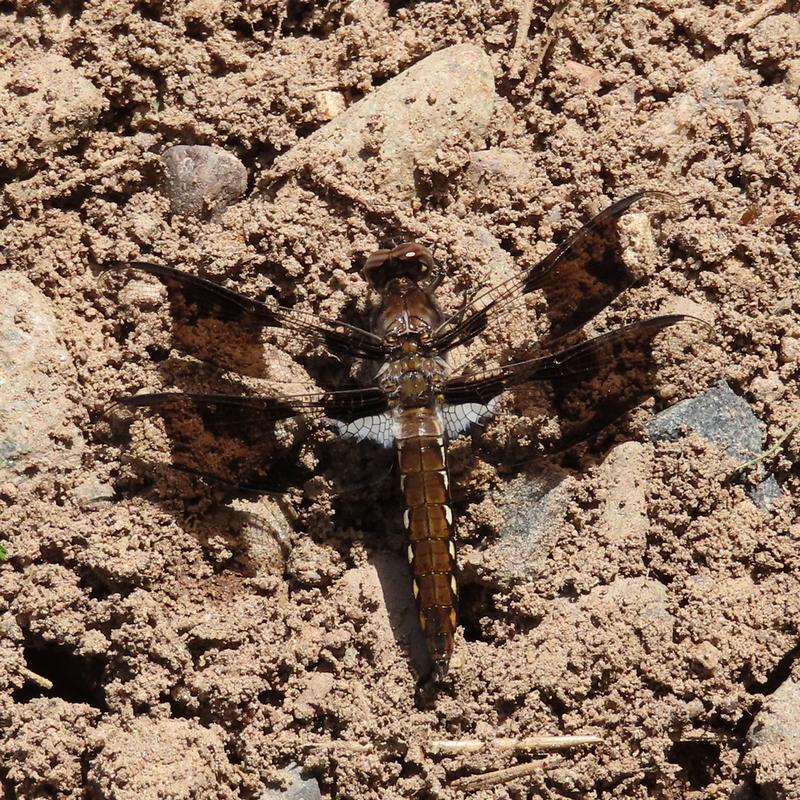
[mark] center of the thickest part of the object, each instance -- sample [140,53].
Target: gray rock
[92,490]
[298,788]
[532,507]
[764,494]
[774,744]
[718,415]
[378,142]
[36,434]
[723,418]
[202,179]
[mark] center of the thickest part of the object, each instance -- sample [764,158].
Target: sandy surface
[198,639]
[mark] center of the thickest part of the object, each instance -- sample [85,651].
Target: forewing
[234,439]
[578,278]
[583,387]
[195,301]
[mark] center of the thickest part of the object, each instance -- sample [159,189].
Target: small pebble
[203,180]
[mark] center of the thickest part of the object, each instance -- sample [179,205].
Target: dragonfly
[416,402]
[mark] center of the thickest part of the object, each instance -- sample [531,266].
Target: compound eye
[373,268]
[413,252]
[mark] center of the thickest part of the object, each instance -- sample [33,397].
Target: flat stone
[532,508]
[711,87]
[639,248]
[764,494]
[777,110]
[774,743]
[36,435]
[91,491]
[378,142]
[626,471]
[726,420]
[298,788]
[202,180]
[499,165]
[718,415]
[329,104]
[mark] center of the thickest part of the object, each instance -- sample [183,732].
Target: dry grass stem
[474,782]
[39,680]
[532,743]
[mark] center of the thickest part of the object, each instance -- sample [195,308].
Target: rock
[626,471]
[589,78]
[764,494]
[791,81]
[52,106]
[774,744]
[713,88]
[532,508]
[498,165]
[723,418]
[380,140]
[264,530]
[706,658]
[92,490]
[767,388]
[718,415]
[317,687]
[297,789]
[202,179]
[36,435]
[639,248]
[790,349]
[328,104]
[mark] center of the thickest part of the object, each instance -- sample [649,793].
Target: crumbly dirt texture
[164,637]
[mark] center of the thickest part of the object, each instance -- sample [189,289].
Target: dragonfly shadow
[395,582]
[586,280]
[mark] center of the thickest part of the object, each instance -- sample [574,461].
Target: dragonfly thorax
[413,380]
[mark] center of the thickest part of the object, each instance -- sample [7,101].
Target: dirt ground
[168,637]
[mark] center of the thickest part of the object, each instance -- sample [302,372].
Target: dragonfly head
[410,260]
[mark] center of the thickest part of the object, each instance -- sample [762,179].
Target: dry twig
[548,36]
[473,782]
[39,680]
[452,747]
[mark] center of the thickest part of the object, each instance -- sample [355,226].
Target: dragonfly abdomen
[428,518]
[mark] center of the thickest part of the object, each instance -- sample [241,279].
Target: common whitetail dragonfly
[417,402]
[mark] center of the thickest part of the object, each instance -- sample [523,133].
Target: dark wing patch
[194,299]
[578,278]
[232,438]
[235,411]
[585,386]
